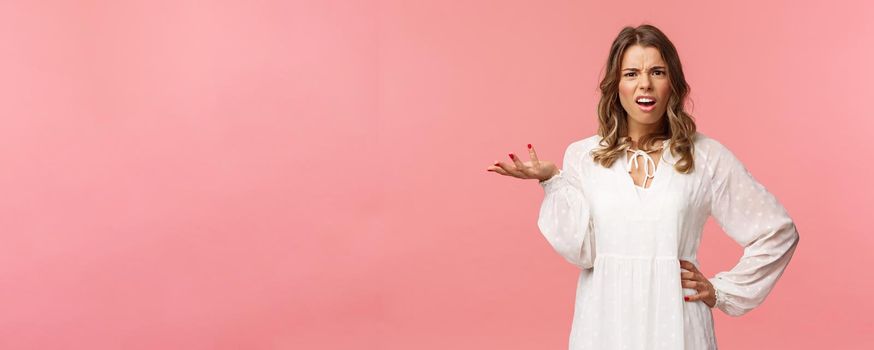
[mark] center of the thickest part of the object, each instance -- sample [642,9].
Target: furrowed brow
[651,68]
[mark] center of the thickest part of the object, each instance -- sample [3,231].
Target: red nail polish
[511,155]
[529,146]
[687,298]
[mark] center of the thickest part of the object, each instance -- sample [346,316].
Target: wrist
[715,295]
[553,174]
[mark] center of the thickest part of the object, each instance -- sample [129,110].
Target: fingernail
[687,298]
[529,146]
[511,155]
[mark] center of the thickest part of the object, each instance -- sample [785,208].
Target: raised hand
[533,169]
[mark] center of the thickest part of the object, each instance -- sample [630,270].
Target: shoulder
[715,156]
[578,152]
[581,148]
[709,148]
[706,144]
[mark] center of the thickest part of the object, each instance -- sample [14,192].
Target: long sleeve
[753,218]
[564,218]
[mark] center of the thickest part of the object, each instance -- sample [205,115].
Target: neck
[636,131]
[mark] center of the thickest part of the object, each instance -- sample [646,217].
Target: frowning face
[644,85]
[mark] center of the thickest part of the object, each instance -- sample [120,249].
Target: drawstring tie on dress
[650,173]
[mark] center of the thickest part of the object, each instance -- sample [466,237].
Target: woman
[634,229]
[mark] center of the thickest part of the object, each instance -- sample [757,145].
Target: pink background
[311,175]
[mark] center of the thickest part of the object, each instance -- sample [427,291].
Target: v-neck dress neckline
[659,175]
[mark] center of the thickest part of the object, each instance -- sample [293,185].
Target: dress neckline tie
[648,172]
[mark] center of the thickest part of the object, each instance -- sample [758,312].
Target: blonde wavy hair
[677,125]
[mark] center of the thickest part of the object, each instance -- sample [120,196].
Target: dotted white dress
[627,241]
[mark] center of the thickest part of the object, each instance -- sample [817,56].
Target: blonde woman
[629,204]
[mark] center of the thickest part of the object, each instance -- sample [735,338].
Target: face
[643,73]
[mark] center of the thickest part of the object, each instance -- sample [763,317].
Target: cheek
[664,88]
[626,91]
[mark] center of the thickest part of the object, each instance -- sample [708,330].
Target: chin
[647,119]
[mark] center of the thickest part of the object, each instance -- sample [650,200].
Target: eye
[660,72]
[627,74]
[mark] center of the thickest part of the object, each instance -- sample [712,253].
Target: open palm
[533,169]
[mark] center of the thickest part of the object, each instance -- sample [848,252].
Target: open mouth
[645,101]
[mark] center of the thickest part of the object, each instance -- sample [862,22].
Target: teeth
[645,100]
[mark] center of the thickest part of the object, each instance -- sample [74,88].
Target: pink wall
[311,175]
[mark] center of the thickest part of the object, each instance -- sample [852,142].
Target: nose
[644,82]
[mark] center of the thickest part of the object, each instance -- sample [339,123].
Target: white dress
[628,241]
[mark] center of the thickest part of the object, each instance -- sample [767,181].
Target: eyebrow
[651,68]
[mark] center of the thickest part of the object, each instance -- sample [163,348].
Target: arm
[753,218]
[564,218]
